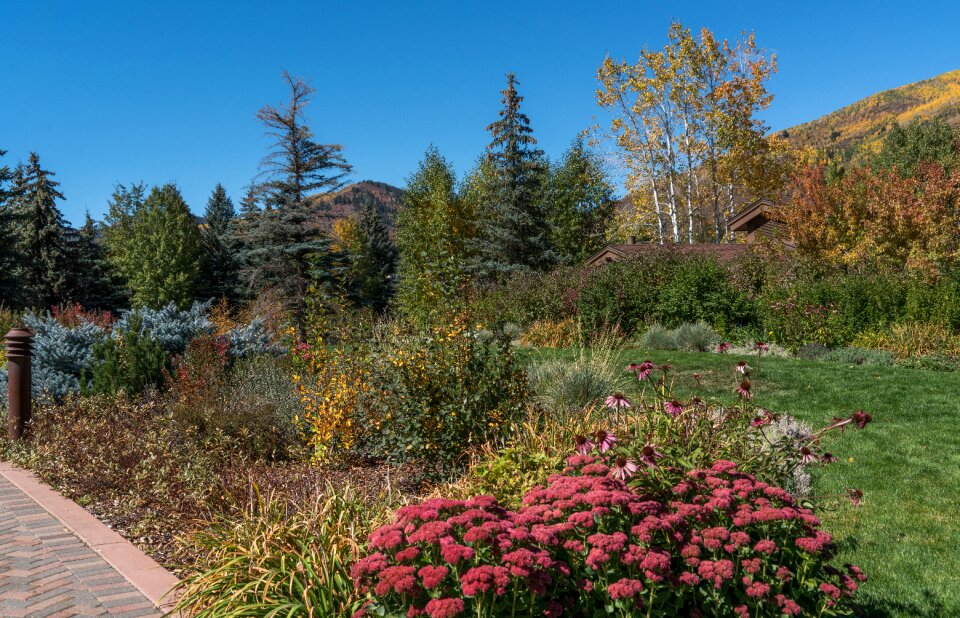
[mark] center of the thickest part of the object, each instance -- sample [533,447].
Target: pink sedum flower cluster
[719,542]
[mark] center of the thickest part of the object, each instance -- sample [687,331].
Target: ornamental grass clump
[279,559]
[719,543]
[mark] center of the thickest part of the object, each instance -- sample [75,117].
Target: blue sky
[166,91]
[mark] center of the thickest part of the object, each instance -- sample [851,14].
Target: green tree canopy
[434,227]
[580,204]
[154,243]
[922,140]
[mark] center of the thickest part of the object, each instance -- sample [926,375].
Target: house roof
[752,217]
[722,252]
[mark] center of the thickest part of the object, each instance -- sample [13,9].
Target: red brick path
[46,571]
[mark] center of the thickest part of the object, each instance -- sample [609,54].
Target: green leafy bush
[129,363]
[411,394]
[700,290]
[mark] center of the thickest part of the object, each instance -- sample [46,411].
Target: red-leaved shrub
[723,544]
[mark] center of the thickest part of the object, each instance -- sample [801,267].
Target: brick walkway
[46,571]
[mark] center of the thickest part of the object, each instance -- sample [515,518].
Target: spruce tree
[9,292]
[375,262]
[580,204]
[514,232]
[91,282]
[219,262]
[284,239]
[41,238]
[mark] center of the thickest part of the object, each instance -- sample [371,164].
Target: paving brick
[47,572]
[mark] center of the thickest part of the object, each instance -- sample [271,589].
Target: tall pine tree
[41,242]
[219,263]
[375,261]
[284,240]
[91,281]
[514,231]
[9,291]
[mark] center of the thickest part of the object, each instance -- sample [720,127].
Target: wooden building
[755,221]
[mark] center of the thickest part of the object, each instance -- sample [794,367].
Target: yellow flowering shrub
[427,395]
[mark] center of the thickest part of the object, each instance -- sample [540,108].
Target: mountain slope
[353,197]
[855,131]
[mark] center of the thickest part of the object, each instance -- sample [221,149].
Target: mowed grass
[906,531]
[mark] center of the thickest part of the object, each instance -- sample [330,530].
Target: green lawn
[906,532]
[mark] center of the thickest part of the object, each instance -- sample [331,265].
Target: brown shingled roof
[722,252]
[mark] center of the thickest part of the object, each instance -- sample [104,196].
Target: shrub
[250,403]
[721,543]
[858,356]
[170,327]
[411,394]
[61,354]
[550,334]
[129,363]
[911,340]
[74,315]
[696,337]
[793,323]
[700,290]
[658,337]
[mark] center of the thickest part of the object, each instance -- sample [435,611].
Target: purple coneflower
[855,496]
[649,455]
[673,407]
[605,440]
[743,389]
[861,418]
[582,445]
[618,401]
[761,347]
[828,458]
[723,347]
[623,468]
[743,367]
[807,456]
[642,370]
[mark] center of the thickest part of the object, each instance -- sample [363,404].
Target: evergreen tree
[41,238]
[154,243]
[434,229]
[375,260]
[219,262]
[283,238]
[922,140]
[91,282]
[8,255]
[580,204]
[514,230]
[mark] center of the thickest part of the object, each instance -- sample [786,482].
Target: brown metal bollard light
[19,343]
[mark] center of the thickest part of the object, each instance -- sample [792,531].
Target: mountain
[855,131]
[353,197]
